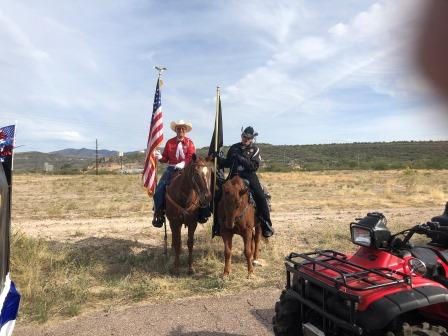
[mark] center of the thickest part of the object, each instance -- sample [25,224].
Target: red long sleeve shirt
[169,152]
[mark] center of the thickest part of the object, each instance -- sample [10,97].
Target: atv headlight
[361,236]
[417,266]
[371,231]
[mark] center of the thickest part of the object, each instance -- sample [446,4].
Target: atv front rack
[346,274]
[324,276]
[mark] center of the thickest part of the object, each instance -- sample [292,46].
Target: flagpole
[218,98]
[160,70]
[13,147]
[10,199]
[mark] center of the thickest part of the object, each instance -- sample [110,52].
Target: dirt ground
[243,314]
[310,210]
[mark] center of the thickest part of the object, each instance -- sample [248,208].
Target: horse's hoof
[257,263]
[191,271]
[226,274]
[174,272]
[250,275]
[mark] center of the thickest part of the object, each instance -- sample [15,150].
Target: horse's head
[232,192]
[200,173]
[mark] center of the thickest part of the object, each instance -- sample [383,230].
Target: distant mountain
[374,155]
[85,152]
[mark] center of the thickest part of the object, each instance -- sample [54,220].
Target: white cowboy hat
[182,123]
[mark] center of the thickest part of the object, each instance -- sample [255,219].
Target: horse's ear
[194,157]
[243,191]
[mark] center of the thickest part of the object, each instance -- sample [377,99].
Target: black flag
[219,141]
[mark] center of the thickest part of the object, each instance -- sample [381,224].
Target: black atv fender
[381,312]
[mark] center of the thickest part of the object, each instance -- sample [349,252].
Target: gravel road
[247,313]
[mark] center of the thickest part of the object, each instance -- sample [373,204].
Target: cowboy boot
[266,228]
[159,219]
[203,214]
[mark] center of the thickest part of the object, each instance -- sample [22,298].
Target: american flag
[6,141]
[155,138]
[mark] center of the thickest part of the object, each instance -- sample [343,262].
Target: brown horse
[186,192]
[237,216]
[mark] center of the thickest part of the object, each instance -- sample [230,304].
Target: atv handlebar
[430,229]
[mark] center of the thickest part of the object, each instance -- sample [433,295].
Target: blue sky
[300,72]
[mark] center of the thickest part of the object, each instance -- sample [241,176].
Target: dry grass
[86,242]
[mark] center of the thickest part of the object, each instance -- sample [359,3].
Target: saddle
[266,193]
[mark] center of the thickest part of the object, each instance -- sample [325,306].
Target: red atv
[388,287]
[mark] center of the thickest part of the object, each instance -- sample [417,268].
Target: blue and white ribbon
[9,300]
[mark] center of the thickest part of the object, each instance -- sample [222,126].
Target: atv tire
[286,321]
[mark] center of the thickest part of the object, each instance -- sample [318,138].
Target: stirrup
[202,220]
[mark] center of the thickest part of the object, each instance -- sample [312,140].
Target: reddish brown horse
[186,192]
[237,216]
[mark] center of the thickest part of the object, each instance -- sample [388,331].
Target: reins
[184,211]
[243,213]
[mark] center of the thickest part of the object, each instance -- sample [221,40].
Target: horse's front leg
[247,238]
[191,229]
[176,244]
[256,240]
[227,239]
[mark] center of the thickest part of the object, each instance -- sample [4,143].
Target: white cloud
[20,42]
[81,75]
[338,30]
[355,52]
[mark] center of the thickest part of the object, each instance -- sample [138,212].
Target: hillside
[375,155]
[35,161]
[85,152]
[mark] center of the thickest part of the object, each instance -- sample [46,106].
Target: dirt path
[244,314]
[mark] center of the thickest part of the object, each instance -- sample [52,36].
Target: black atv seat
[442,219]
[439,237]
[429,255]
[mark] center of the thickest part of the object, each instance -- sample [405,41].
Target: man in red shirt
[177,153]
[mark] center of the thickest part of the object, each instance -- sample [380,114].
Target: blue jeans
[159,195]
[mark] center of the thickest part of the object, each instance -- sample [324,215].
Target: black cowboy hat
[249,132]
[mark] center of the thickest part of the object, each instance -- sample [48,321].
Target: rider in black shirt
[243,159]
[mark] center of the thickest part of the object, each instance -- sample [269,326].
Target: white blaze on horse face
[205,175]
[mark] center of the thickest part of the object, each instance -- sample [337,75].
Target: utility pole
[96,154]
[120,154]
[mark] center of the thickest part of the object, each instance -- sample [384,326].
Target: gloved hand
[214,154]
[241,159]
[157,154]
[235,157]
[180,165]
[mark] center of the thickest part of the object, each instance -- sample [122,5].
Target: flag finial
[160,69]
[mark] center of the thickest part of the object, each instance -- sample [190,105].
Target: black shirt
[242,160]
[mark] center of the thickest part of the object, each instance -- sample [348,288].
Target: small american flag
[6,141]
[155,139]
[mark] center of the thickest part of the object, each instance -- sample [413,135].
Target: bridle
[243,212]
[197,185]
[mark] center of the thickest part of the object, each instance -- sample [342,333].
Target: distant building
[132,171]
[48,168]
